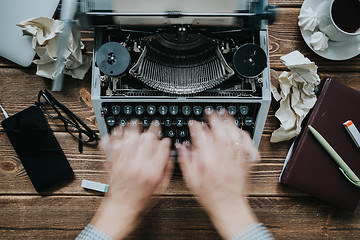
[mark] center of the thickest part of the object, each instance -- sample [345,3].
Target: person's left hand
[139,166]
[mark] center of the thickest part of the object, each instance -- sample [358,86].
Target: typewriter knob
[113,59]
[249,60]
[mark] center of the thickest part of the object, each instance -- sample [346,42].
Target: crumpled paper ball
[297,96]
[45,33]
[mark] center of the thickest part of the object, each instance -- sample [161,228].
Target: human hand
[215,168]
[139,166]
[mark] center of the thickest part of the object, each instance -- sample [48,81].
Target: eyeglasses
[73,125]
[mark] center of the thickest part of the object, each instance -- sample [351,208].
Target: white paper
[186,6]
[297,95]
[45,33]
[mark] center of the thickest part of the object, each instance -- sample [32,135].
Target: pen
[4,112]
[344,168]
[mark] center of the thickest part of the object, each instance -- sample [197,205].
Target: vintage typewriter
[174,66]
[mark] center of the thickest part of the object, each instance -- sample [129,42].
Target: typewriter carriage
[232,90]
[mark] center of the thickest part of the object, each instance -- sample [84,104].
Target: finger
[133,127]
[185,162]
[169,169]
[233,131]
[129,147]
[149,143]
[198,132]
[111,148]
[117,132]
[155,128]
[245,137]
[162,154]
[218,127]
[184,156]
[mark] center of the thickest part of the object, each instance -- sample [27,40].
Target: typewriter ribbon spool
[113,59]
[249,60]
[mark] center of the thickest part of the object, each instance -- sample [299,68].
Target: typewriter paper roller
[188,6]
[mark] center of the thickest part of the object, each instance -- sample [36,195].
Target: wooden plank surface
[63,217]
[63,212]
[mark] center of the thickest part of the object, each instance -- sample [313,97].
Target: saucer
[337,50]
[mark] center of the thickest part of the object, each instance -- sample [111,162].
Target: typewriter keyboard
[175,117]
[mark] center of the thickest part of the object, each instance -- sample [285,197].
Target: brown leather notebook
[309,167]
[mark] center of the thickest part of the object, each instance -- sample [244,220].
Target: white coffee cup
[329,27]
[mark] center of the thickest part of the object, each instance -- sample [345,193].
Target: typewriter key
[122,122]
[127,109]
[231,110]
[209,110]
[220,110]
[163,110]
[180,122]
[157,122]
[244,110]
[139,109]
[174,110]
[145,122]
[167,122]
[170,133]
[115,109]
[249,60]
[197,110]
[181,133]
[110,121]
[151,109]
[186,110]
[237,121]
[248,121]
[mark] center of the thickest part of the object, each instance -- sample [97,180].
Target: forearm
[230,219]
[115,219]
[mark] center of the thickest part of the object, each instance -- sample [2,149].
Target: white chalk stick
[96,186]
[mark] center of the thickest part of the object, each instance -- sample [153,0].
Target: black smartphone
[37,148]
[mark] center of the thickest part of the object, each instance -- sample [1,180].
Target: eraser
[96,186]
[353,131]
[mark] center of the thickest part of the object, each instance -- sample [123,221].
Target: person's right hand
[215,168]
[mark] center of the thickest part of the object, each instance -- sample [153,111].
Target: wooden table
[62,213]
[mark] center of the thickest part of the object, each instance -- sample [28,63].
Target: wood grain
[34,217]
[90,165]
[63,212]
